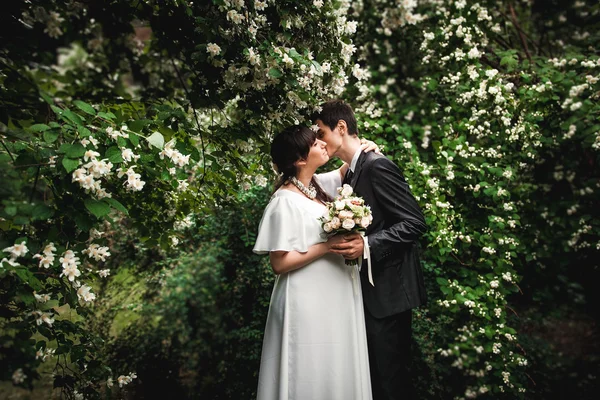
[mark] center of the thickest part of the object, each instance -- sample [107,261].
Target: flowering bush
[486,119]
[107,120]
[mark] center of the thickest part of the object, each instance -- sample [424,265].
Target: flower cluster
[173,154]
[347,213]
[125,379]
[134,182]
[17,250]
[70,263]
[44,354]
[47,256]
[90,174]
[96,252]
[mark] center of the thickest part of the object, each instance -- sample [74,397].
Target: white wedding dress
[315,344]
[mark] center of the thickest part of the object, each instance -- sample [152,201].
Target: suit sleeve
[399,205]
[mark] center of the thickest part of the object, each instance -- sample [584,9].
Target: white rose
[348,224]
[339,205]
[365,221]
[336,223]
[327,227]
[346,214]
[347,190]
[327,216]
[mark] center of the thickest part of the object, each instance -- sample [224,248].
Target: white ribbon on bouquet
[366,256]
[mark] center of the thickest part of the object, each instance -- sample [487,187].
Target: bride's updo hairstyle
[289,146]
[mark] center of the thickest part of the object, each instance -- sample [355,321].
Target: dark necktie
[348,177]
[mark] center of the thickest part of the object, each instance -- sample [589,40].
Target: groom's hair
[335,110]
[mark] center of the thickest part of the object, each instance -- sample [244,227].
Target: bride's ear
[300,163]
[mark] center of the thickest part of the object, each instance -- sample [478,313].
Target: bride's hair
[289,146]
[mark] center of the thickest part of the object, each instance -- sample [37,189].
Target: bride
[315,344]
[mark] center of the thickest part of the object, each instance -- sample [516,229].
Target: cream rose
[348,224]
[346,190]
[365,221]
[346,214]
[336,223]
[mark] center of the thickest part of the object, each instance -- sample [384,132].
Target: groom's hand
[351,247]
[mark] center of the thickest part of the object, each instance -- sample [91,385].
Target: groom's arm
[398,204]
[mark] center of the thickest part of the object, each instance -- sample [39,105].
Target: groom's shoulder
[372,158]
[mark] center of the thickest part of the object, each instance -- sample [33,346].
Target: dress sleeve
[281,228]
[330,181]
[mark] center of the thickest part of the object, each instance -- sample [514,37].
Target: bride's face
[317,154]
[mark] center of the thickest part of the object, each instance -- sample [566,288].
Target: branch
[187,93]
[521,31]
[9,153]
[37,175]
[512,310]
[516,24]
[457,259]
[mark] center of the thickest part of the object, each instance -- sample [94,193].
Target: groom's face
[331,137]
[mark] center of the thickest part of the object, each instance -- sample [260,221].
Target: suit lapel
[358,169]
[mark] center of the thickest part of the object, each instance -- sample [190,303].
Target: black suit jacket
[393,237]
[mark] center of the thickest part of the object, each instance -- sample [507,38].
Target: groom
[392,239]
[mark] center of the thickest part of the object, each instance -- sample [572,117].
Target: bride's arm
[286,261]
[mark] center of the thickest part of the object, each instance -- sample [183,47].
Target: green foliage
[201,334]
[126,116]
[499,141]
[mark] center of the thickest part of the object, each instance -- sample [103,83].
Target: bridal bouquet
[347,213]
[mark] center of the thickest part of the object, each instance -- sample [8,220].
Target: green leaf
[83,222]
[114,155]
[41,212]
[110,116]
[75,150]
[46,98]
[85,107]
[70,164]
[97,207]
[71,116]
[116,205]
[39,128]
[157,140]
[50,136]
[294,54]
[77,353]
[28,278]
[441,281]
[11,211]
[138,124]
[134,139]
[83,131]
[275,73]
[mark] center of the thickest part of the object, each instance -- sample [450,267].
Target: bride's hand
[368,145]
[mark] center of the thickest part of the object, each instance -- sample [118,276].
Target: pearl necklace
[310,192]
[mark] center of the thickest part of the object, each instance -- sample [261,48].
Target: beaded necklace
[310,192]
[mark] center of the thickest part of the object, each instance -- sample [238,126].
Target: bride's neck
[305,177]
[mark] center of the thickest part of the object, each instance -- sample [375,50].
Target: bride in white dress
[315,344]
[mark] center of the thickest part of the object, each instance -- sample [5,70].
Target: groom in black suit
[392,239]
